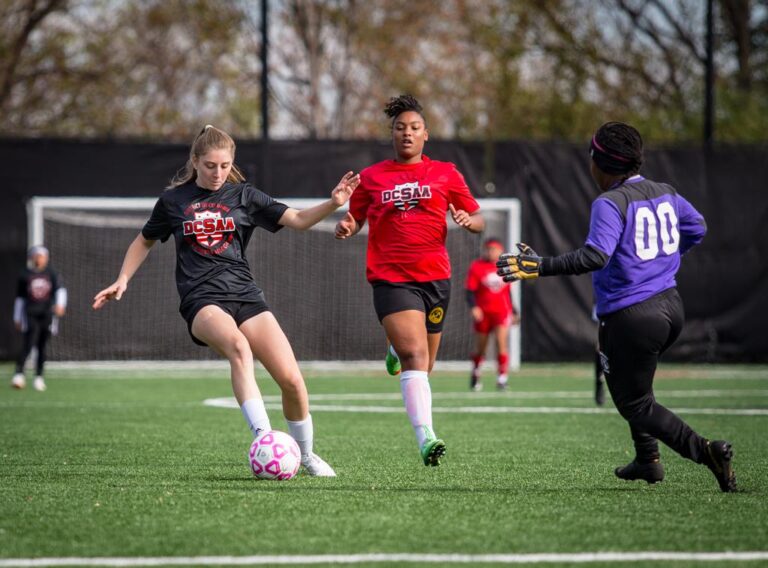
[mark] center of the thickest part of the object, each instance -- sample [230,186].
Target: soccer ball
[274,455]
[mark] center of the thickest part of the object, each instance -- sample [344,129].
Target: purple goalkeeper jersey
[643,227]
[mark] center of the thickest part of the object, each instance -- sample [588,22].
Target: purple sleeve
[692,225]
[605,226]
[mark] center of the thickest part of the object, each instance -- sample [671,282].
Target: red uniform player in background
[492,312]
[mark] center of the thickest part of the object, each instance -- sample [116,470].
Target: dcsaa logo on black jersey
[406,196]
[208,230]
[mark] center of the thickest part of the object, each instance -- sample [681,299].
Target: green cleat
[432,451]
[392,361]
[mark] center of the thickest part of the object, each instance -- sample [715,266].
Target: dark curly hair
[398,105]
[618,148]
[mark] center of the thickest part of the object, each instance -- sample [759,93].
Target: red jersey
[405,206]
[491,292]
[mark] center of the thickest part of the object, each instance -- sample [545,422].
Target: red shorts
[492,320]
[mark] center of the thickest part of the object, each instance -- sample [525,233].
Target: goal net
[314,284]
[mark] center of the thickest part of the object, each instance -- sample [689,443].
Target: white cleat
[39,384]
[316,467]
[18,381]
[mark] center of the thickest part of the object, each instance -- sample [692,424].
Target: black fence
[723,282]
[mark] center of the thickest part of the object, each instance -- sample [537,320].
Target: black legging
[632,340]
[37,334]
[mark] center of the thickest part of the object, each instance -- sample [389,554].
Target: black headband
[611,163]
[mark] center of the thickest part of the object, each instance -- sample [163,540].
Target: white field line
[694,372]
[331,559]
[698,393]
[273,404]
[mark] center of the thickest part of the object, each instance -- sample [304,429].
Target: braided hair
[617,149]
[404,103]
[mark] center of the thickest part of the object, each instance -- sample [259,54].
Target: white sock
[256,416]
[303,432]
[392,351]
[417,396]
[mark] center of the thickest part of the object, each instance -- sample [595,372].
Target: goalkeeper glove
[523,266]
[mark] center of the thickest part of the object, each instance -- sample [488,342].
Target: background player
[490,300]
[638,231]
[405,202]
[211,214]
[40,301]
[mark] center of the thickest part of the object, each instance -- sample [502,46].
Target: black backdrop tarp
[724,282]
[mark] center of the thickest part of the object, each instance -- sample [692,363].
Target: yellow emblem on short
[436,315]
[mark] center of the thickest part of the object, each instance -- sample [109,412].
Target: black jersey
[38,290]
[212,230]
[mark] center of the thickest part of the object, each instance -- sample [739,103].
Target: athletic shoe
[502,383]
[600,391]
[474,382]
[432,450]
[39,384]
[650,472]
[18,381]
[717,457]
[316,466]
[392,362]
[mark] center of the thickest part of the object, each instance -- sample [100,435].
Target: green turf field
[133,464]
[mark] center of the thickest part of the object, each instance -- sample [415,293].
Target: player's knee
[239,350]
[413,358]
[293,386]
[635,411]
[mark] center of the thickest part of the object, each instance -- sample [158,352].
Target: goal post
[314,284]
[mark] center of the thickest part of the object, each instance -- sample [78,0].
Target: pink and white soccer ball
[274,455]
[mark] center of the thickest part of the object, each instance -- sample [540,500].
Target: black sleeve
[158,227]
[579,261]
[264,211]
[471,298]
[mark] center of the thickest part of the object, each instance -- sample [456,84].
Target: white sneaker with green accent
[316,466]
[39,384]
[432,451]
[18,381]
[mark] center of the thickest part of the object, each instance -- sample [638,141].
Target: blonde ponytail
[209,138]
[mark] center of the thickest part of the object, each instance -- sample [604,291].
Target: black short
[429,297]
[239,310]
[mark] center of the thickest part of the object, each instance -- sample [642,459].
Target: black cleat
[474,383]
[717,457]
[651,472]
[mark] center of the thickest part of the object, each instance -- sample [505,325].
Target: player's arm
[470,291]
[477,311]
[605,226]
[134,257]
[527,265]
[461,201]
[20,304]
[60,302]
[59,298]
[472,222]
[348,227]
[303,219]
[692,225]
[355,218]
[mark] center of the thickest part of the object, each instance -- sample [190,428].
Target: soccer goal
[314,284]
